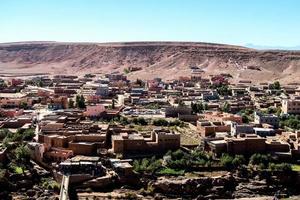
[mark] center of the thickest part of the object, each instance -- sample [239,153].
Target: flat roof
[85,158]
[263,129]
[12,95]
[218,142]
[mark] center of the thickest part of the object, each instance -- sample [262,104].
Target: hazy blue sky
[260,22]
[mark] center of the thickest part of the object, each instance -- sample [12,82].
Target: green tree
[71,103]
[197,107]
[80,101]
[140,121]
[27,134]
[261,160]
[147,165]
[124,121]
[223,90]
[245,118]
[176,122]
[226,161]
[285,167]
[275,86]
[160,122]
[238,161]
[22,156]
[3,133]
[226,107]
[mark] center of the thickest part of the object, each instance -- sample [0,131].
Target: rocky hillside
[151,59]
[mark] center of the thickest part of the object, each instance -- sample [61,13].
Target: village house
[291,106]
[94,110]
[211,128]
[270,119]
[247,145]
[159,142]
[14,100]
[13,112]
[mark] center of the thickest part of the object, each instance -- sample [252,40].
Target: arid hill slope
[156,59]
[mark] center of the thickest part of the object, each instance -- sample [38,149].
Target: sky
[252,22]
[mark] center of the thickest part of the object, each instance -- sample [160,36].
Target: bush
[28,134]
[140,121]
[179,160]
[224,90]
[275,86]
[260,160]
[80,101]
[226,161]
[230,162]
[147,165]
[163,122]
[124,121]
[160,122]
[50,184]
[3,133]
[176,123]
[285,167]
[290,121]
[238,161]
[19,136]
[126,71]
[245,118]
[197,107]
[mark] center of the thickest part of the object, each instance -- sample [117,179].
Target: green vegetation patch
[296,168]
[171,172]
[18,170]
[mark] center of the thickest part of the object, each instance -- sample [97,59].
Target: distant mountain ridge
[263,47]
[167,60]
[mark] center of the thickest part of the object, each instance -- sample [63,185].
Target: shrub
[260,160]
[230,162]
[197,107]
[28,134]
[50,184]
[140,121]
[124,121]
[224,90]
[238,161]
[179,160]
[126,71]
[226,161]
[147,165]
[160,122]
[285,167]
[176,123]
[3,133]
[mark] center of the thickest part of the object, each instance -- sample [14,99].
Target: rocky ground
[35,183]
[228,186]
[155,59]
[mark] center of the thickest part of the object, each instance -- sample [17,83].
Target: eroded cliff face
[163,59]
